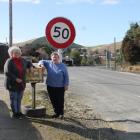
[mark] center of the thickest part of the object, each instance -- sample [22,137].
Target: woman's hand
[19,80]
[66,87]
[43,68]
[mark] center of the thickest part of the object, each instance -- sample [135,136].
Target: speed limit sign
[60,32]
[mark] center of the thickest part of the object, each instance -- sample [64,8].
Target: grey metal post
[115,64]
[10,24]
[33,85]
[106,59]
[60,54]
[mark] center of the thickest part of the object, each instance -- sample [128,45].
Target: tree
[131,44]
[47,49]
[119,57]
[84,61]
[75,55]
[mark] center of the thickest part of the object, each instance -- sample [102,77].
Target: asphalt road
[113,95]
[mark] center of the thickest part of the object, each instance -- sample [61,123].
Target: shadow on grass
[74,126]
[15,129]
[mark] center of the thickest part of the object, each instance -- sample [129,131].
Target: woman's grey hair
[55,53]
[14,49]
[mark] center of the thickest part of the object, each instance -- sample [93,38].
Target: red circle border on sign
[48,32]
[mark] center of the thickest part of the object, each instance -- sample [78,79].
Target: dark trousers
[56,95]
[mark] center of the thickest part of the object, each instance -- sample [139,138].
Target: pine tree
[131,44]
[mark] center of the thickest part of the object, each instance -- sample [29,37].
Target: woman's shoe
[15,116]
[55,116]
[21,115]
[61,116]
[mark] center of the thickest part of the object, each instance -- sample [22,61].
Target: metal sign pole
[60,54]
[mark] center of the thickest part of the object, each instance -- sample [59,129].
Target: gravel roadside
[80,122]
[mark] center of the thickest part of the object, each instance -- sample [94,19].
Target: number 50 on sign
[60,32]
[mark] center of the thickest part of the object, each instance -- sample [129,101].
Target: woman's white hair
[14,49]
[55,53]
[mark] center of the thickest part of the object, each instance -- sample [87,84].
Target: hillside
[29,46]
[109,47]
[36,43]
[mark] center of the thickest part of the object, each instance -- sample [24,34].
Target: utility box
[3,55]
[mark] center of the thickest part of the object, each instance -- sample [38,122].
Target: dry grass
[134,69]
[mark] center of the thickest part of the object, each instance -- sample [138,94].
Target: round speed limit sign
[60,32]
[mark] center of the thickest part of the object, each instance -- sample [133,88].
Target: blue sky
[96,21]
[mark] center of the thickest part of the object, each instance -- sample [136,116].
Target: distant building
[3,55]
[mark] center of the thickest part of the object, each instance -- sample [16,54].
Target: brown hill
[35,44]
[109,47]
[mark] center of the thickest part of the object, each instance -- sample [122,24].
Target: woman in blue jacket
[57,82]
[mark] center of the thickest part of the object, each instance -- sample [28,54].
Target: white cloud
[110,2]
[60,2]
[36,1]
[31,1]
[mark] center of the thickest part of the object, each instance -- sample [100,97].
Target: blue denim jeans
[15,101]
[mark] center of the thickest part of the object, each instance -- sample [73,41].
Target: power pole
[115,64]
[10,24]
[106,60]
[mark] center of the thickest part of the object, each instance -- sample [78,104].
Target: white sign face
[60,32]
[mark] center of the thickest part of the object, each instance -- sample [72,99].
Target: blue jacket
[57,74]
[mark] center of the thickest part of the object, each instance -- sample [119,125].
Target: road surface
[113,95]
